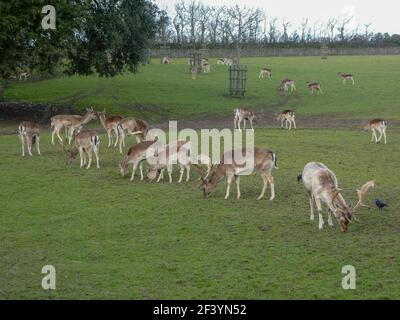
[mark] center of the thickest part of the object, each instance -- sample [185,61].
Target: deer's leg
[237,180]
[187,173]
[161,175]
[290,125]
[29,145]
[384,134]
[134,166]
[81,156]
[239,121]
[265,181]
[294,123]
[89,153]
[109,135]
[182,169]
[330,223]
[38,145]
[244,124]
[22,144]
[121,142]
[319,207]
[141,170]
[229,178]
[352,79]
[311,198]
[57,130]
[96,154]
[169,169]
[251,124]
[138,140]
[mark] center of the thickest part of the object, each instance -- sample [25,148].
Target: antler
[199,169]
[361,193]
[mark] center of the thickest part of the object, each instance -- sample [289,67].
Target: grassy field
[165,91]
[111,238]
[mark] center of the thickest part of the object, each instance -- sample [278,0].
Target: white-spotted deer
[265,72]
[314,86]
[287,117]
[86,142]
[322,187]
[377,125]
[243,114]
[110,124]
[345,77]
[286,84]
[29,134]
[131,126]
[135,157]
[70,123]
[258,159]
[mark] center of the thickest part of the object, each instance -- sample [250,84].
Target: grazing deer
[206,67]
[286,84]
[228,61]
[166,60]
[136,155]
[287,116]
[29,134]
[345,77]
[314,86]
[131,126]
[174,152]
[221,61]
[194,73]
[24,75]
[379,125]
[70,123]
[322,187]
[86,142]
[264,160]
[265,72]
[241,114]
[110,125]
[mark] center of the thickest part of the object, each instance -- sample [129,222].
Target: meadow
[111,238]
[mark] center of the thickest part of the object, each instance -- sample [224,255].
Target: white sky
[383,14]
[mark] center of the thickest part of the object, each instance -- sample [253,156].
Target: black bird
[380,204]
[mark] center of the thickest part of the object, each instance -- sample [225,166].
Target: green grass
[110,238]
[167,91]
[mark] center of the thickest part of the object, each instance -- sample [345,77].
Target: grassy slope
[172,93]
[107,240]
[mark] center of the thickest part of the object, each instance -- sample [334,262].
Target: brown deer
[86,142]
[345,77]
[260,159]
[314,86]
[131,126]
[375,125]
[29,134]
[287,117]
[110,125]
[286,84]
[243,114]
[265,72]
[70,123]
[322,187]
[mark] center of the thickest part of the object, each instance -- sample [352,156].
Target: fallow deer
[206,67]
[220,61]
[25,75]
[286,84]
[110,125]
[174,152]
[345,77]
[131,126]
[166,60]
[287,117]
[228,61]
[322,187]
[265,72]
[70,123]
[263,160]
[86,142]
[241,114]
[314,86]
[375,125]
[194,73]
[29,134]
[136,155]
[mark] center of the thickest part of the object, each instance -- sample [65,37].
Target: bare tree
[273,30]
[304,26]
[342,27]
[285,25]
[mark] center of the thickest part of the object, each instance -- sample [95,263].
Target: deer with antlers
[377,125]
[70,123]
[265,72]
[287,117]
[251,160]
[29,134]
[286,84]
[110,125]
[135,157]
[131,126]
[86,142]
[322,187]
[314,86]
[346,77]
[243,114]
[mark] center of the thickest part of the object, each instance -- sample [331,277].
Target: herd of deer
[320,182]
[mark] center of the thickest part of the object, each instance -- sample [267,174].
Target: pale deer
[131,126]
[70,123]
[194,71]
[314,86]
[345,77]
[257,159]
[166,60]
[86,142]
[286,84]
[322,187]
[29,134]
[25,75]
[136,155]
[377,125]
[110,125]
[265,72]
[287,117]
[228,61]
[221,61]
[243,114]
[206,67]
[165,156]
